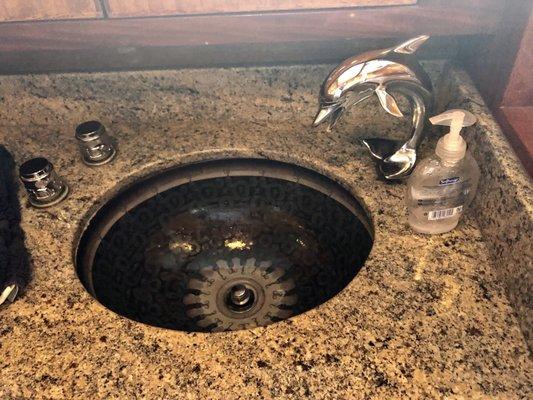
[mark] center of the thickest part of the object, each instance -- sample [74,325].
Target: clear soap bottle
[444,184]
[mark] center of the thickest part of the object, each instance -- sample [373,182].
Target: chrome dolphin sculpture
[381,72]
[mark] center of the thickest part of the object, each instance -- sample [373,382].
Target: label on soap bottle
[449,181]
[443,214]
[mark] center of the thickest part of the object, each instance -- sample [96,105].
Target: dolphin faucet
[394,70]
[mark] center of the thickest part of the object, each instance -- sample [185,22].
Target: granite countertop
[426,317]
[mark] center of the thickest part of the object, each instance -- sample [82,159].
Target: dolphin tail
[411,45]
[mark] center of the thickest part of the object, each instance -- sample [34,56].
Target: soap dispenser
[444,184]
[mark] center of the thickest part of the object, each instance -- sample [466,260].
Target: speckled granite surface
[427,317]
[504,204]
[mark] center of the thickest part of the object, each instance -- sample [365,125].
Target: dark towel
[14,259]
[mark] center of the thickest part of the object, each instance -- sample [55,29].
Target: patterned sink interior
[223,245]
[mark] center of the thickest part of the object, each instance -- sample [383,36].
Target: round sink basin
[223,245]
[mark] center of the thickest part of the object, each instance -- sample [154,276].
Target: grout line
[103,7]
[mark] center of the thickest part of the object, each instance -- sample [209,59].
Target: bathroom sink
[223,245]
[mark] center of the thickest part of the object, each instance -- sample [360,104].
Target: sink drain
[240,297]
[239,293]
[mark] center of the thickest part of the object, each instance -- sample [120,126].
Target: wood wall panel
[503,72]
[24,10]
[491,66]
[135,8]
[519,91]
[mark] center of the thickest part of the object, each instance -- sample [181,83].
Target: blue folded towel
[14,259]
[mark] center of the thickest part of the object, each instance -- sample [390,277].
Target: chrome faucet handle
[386,71]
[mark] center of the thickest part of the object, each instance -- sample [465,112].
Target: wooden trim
[433,19]
[136,43]
[106,59]
[143,8]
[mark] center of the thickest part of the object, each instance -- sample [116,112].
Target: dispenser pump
[452,147]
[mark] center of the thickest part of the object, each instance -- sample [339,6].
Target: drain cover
[240,293]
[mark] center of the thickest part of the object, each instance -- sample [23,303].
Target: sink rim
[145,187]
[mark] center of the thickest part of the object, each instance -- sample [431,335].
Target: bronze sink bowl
[223,245]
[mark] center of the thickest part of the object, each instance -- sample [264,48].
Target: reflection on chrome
[385,71]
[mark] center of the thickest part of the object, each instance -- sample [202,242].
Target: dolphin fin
[410,46]
[359,97]
[387,102]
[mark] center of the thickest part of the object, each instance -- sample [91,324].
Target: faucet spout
[331,114]
[386,72]
[322,115]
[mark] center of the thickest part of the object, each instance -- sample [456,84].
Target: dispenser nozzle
[446,118]
[452,146]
